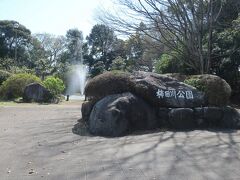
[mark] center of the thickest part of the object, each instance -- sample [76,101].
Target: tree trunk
[208,61]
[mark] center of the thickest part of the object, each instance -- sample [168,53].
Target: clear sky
[53,16]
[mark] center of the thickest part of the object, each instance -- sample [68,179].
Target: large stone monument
[37,93]
[119,103]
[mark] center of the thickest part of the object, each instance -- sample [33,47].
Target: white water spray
[78,71]
[77,79]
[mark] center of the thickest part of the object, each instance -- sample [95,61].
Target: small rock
[31,171]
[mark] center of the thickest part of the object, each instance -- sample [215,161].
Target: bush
[14,86]
[216,89]
[112,82]
[173,63]
[197,83]
[54,85]
[165,64]
[4,75]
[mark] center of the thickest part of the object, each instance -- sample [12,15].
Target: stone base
[116,115]
[200,117]
[119,114]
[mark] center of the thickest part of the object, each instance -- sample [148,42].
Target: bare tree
[53,45]
[50,49]
[184,26]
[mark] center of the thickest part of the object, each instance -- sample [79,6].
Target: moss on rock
[112,82]
[216,89]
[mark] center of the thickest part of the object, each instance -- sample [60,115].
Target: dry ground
[37,142]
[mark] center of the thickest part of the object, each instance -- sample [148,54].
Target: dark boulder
[163,116]
[122,102]
[178,76]
[212,116]
[182,118]
[231,118]
[163,91]
[199,117]
[37,93]
[115,115]
[158,90]
[86,109]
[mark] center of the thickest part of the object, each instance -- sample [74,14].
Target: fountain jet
[78,72]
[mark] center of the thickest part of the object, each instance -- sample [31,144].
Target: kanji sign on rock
[173,93]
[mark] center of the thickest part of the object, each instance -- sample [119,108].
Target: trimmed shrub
[216,89]
[14,86]
[112,82]
[4,75]
[54,85]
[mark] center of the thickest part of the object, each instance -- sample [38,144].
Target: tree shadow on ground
[80,128]
[204,154]
[216,154]
[192,148]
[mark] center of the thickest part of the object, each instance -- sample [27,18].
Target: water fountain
[77,74]
[76,81]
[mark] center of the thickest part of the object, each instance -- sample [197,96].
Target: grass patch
[8,103]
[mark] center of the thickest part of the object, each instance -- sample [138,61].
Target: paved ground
[36,142]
